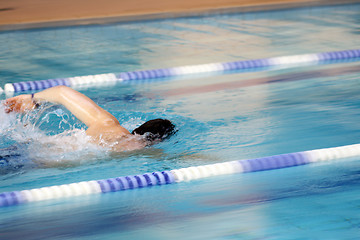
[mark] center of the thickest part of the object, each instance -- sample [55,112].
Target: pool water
[219,118]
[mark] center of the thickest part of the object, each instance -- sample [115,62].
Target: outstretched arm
[77,103]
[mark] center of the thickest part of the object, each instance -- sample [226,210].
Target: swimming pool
[319,109]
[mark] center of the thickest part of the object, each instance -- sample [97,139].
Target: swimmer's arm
[77,103]
[85,109]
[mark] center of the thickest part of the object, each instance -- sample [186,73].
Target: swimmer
[103,128]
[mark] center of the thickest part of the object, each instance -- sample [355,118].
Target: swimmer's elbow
[61,90]
[62,93]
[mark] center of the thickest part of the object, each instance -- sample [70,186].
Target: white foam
[71,147]
[43,147]
[7,120]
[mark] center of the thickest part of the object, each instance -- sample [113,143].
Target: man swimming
[103,128]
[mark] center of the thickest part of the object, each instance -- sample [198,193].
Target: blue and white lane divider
[186,70]
[178,175]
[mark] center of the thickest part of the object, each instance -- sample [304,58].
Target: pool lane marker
[185,70]
[178,175]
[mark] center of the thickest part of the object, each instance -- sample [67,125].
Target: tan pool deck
[22,14]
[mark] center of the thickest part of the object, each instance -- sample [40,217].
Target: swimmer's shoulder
[110,130]
[116,138]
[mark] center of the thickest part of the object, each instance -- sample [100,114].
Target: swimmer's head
[155,130]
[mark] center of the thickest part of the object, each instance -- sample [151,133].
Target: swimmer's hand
[20,104]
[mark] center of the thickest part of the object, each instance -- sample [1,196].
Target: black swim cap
[156,129]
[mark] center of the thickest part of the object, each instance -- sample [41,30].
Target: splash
[33,139]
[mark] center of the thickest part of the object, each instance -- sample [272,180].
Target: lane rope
[178,175]
[256,64]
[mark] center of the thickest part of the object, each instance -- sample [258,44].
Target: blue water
[305,107]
